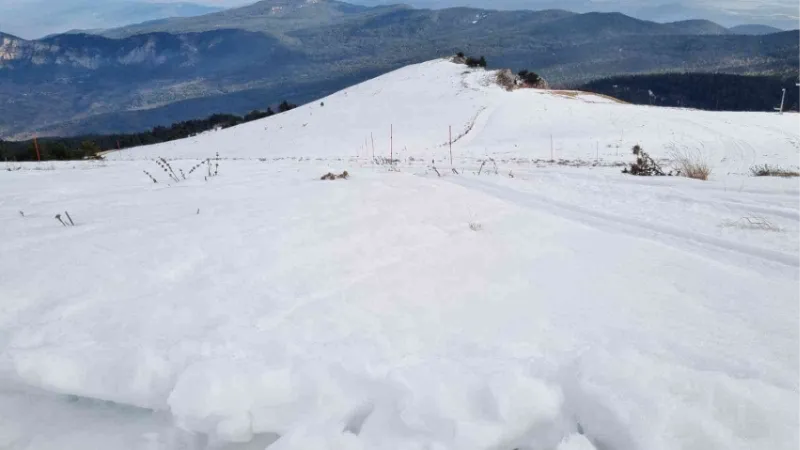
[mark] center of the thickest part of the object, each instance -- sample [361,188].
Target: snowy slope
[535,306]
[421,102]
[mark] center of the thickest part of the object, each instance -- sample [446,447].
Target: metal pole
[783,96]
[451,145]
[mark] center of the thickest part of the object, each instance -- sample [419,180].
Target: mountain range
[155,73]
[36,18]
[776,13]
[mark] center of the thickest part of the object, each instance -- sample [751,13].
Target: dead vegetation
[507,80]
[752,222]
[212,170]
[524,79]
[68,222]
[765,170]
[331,176]
[690,163]
[644,166]
[568,94]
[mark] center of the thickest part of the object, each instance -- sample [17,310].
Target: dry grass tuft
[773,171]
[690,163]
[507,79]
[752,222]
[568,94]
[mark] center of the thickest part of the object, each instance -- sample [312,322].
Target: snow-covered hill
[416,106]
[523,304]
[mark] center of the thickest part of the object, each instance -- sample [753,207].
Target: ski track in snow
[684,239]
[265,308]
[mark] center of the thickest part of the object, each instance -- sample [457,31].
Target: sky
[36,18]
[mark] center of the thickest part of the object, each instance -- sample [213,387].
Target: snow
[264,308]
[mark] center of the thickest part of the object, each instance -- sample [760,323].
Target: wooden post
[551,147]
[373,146]
[36,145]
[391,144]
[450,131]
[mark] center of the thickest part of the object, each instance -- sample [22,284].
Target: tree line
[708,91]
[81,147]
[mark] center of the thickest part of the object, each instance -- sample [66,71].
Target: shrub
[696,170]
[772,171]
[691,164]
[529,78]
[473,62]
[644,166]
[506,79]
[460,54]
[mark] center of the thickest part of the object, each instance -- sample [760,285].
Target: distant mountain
[754,29]
[272,16]
[776,13]
[697,27]
[37,18]
[233,61]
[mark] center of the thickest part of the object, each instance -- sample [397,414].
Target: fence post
[450,133]
[36,145]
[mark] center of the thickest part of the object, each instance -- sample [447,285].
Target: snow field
[301,308]
[266,308]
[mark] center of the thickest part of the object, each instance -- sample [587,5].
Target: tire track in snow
[688,241]
[741,207]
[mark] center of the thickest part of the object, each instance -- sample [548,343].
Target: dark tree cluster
[708,91]
[476,62]
[529,78]
[68,148]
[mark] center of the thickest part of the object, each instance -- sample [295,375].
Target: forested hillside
[67,148]
[709,91]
